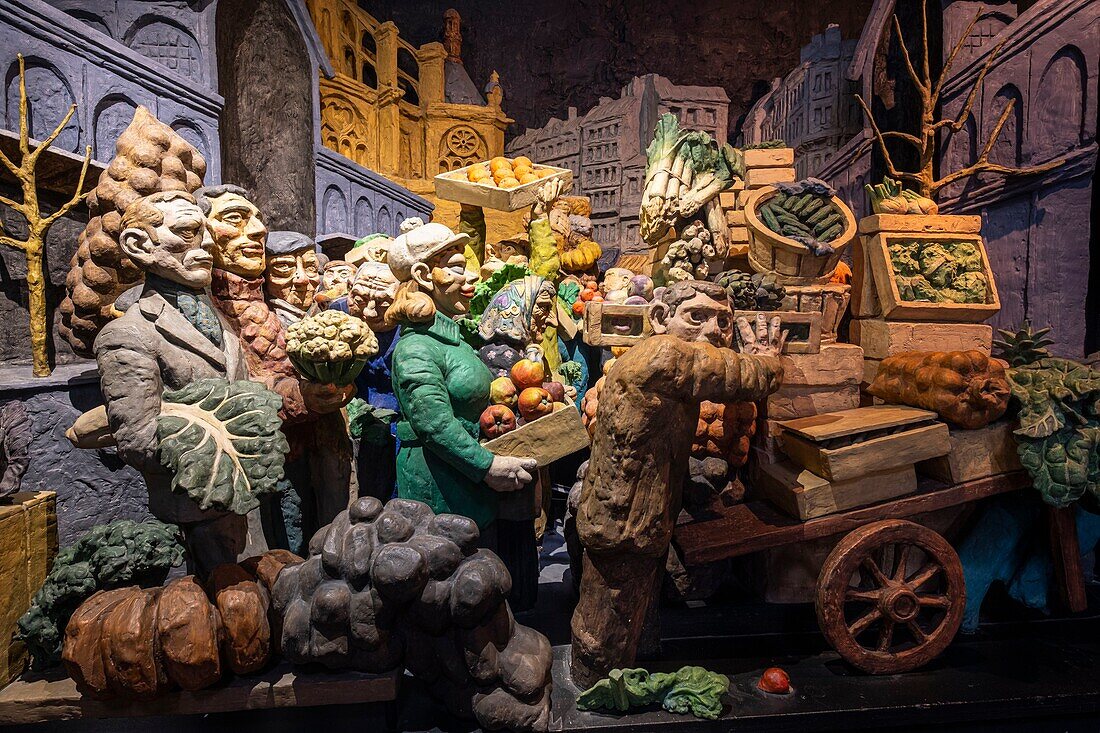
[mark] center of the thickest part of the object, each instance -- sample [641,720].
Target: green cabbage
[223,443]
[692,690]
[112,555]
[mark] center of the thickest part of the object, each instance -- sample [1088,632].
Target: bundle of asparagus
[889,197]
[685,170]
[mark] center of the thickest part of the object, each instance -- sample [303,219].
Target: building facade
[605,148]
[811,108]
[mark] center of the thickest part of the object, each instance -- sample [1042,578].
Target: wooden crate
[803,329]
[867,456]
[830,300]
[805,495]
[975,454]
[547,439]
[455,186]
[891,305]
[28,544]
[615,324]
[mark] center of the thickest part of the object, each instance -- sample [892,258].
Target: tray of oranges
[505,184]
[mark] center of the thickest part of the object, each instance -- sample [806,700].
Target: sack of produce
[331,347]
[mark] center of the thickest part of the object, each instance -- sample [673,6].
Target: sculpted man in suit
[169,338]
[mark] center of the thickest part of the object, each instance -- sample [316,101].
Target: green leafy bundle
[484,292]
[222,442]
[938,272]
[1059,435]
[112,555]
[369,423]
[685,169]
[692,690]
[804,211]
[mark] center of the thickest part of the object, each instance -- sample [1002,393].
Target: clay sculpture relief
[965,388]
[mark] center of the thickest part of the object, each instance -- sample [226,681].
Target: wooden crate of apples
[548,425]
[505,184]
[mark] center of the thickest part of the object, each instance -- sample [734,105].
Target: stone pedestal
[28,543]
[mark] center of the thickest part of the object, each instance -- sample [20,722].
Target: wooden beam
[1065,552]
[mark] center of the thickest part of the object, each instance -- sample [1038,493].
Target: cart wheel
[890,596]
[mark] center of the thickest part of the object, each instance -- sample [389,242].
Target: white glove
[508,473]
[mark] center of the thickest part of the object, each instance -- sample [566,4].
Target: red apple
[497,420]
[556,390]
[775,680]
[534,402]
[503,392]
[527,373]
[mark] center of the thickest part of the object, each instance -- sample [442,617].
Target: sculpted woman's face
[448,281]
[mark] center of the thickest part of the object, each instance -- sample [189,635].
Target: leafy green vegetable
[483,295]
[689,690]
[330,347]
[569,291]
[112,555]
[1059,435]
[368,423]
[222,442]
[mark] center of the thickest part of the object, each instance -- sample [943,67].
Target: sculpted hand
[325,398]
[508,473]
[766,340]
[544,198]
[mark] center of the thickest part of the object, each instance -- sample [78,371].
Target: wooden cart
[890,596]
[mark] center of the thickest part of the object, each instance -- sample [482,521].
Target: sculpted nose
[255,228]
[207,240]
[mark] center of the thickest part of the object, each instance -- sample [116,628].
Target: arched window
[367,44]
[349,62]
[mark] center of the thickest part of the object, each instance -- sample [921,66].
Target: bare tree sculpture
[930,91]
[38,223]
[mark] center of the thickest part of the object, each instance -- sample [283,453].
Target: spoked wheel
[890,596]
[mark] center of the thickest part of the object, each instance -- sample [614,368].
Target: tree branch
[987,167]
[951,58]
[12,242]
[78,195]
[983,157]
[907,137]
[924,42]
[53,136]
[905,55]
[12,204]
[9,164]
[24,118]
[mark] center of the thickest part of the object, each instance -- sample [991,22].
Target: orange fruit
[544,172]
[522,160]
[497,163]
[477,173]
[528,178]
[508,183]
[521,170]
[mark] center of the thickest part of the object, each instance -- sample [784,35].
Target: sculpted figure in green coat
[440,383]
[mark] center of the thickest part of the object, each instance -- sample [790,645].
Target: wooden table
[41,700]
[755,525]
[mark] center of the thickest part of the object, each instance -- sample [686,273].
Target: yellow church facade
[403,111]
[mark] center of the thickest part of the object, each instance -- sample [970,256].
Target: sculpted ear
[421,273]
[659,313]
[135,244]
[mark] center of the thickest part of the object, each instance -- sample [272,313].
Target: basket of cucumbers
[798,230]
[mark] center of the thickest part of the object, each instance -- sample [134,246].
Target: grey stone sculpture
[171,337]
[15,442]
[395,586]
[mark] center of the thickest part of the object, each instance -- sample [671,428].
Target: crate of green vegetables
[330,347]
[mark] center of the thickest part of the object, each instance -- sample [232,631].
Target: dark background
[553,55]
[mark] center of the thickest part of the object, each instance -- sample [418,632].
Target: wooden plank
[921,224]
[896,309]
[975,454]
[853,422]
[758,177]
[42,700]
[755,525]
[806,495]
[1065,552]
[790,403]
[866,457]
[865,302]
[834,365]
[28,544]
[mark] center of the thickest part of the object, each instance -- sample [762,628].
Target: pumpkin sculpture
[139,642]
[965,388]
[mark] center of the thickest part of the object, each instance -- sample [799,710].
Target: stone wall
[93,486]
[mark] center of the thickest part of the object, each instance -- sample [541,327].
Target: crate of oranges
[505,184]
